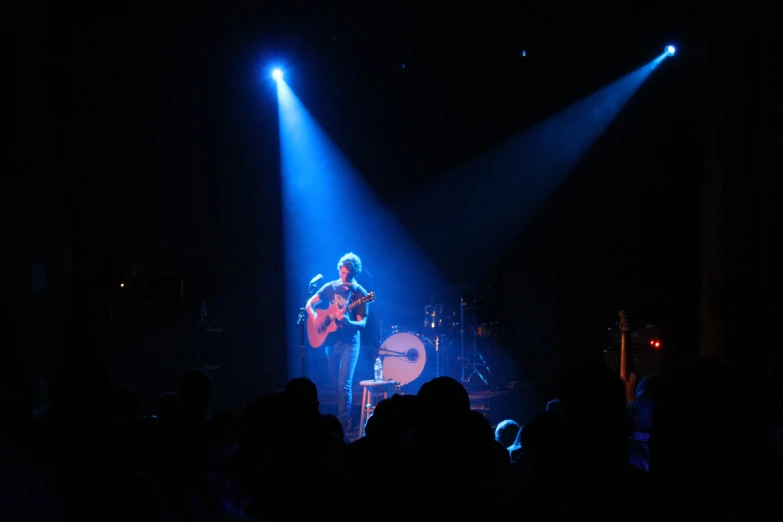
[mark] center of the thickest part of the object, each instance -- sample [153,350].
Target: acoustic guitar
[325,321]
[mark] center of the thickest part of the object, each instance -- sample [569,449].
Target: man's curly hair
[352,262]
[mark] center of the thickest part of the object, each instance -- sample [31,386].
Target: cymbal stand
[481,364]
[462,336]
[477,355]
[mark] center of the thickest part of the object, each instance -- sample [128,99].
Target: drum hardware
[437,356]
[437,318]
[412,355]
[433,316]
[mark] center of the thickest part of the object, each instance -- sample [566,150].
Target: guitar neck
[623,356]
[356,303]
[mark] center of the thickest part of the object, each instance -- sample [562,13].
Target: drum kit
[448,340]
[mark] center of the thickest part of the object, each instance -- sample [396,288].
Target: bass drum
[409,359]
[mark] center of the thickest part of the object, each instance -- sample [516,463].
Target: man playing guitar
[343,344]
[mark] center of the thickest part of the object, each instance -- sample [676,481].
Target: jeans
[341,358]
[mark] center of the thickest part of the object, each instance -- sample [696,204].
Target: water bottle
[378,369]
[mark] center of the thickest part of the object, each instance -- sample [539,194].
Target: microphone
[412,355]
[316,279]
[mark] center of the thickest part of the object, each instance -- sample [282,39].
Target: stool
[373,392]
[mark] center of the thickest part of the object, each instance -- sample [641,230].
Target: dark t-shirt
[336,293]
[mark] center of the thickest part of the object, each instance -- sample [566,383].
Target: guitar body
[320,327]
[325,322]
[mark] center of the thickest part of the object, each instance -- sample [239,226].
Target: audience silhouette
[698,443]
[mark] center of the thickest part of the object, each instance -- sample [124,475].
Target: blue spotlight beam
[329,210]
[491,199]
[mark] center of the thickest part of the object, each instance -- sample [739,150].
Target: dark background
[148,150]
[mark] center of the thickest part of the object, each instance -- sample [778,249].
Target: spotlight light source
[277,74]
[670,50]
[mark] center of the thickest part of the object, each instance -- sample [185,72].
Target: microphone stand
[300,321]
